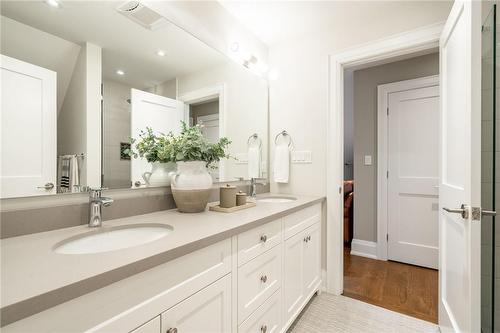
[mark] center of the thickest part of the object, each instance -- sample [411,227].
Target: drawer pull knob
[263,278]
[263,238]
[308,238]
[305,239]
[172,330]
[263,328]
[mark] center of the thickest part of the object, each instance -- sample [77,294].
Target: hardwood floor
[407,289]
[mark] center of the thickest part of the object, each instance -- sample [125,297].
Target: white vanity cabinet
[209,310]
[301,263]
[152,326]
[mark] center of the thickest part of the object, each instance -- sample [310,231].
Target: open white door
[162,115]
[28,154]
[460,156]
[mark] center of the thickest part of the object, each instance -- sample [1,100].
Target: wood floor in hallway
[407,289]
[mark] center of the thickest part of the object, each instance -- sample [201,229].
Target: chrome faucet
[253,184]
[96,201]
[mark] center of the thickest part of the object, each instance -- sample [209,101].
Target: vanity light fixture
[53,3]
[120,72]
[160,53]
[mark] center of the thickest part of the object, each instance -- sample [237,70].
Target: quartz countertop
[35,277]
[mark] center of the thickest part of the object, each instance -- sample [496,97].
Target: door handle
[48,186]
[463,211]
[488,213]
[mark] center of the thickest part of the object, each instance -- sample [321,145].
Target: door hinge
[387,110]
[387,237]
[387,174]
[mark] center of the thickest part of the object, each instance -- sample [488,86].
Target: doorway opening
[391,177]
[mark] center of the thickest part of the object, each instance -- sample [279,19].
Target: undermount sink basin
[276,199]
[112,239]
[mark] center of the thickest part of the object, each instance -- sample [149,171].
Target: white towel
[254,154]
[281,164]
[69,174]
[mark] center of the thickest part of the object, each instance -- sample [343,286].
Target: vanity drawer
[302,219]
[258,240]
[257,280]
[267,318]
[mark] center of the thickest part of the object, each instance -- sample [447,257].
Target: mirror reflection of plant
[189,145]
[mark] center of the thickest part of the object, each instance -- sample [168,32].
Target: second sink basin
[114,238]
[276,199]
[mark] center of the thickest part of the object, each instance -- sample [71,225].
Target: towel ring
[254,137]
[283,133]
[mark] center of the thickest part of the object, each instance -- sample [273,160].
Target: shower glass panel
[488,185]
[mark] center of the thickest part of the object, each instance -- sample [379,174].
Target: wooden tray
[220,209]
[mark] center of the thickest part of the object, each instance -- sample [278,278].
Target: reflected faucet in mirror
[96,202]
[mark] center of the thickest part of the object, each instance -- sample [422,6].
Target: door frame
[411,42]
[205,94]
[383,92]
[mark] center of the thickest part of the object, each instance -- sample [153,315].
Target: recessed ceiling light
[120,72]
[160,53]
[53,3]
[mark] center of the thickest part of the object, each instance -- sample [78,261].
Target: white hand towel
[74,177]
[254,162]
[281,164]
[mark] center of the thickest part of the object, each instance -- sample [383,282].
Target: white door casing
[28,154]
[408,171]
[161,114]
[459,241]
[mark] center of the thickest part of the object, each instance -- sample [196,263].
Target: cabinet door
[207,311]
[312,260]
[152,326]
[293,286]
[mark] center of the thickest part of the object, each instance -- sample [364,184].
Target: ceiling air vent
[142,15]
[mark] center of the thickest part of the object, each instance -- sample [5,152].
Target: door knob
[263,278]
[48,186]
[172,330]
[263,238]
[263,328]
[463,211]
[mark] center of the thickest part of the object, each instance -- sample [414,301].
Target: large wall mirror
[80,78]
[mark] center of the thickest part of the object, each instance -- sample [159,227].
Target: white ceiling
[126,45]
[279,21]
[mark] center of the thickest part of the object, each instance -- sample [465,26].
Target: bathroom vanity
[249,271]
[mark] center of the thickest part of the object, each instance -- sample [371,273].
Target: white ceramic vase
[159,175]
[191,186]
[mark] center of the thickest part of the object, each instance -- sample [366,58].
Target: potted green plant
[192,153]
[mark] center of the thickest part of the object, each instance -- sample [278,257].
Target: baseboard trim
[364,248]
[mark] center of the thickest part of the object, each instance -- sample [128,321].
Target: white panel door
[460,163]
[312,258]
[207,311]
[29,126]
[413,164]
[293,277]
[161,114]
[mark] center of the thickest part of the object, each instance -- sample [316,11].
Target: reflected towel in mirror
[254,156]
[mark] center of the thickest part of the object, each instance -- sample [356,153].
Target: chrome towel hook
[254,137]
[285,134]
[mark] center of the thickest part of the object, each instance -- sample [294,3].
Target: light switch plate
[368,160]
[301,156]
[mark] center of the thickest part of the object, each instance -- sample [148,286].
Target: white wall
[79,122]
[246,108]
[299,95]
[39,48]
